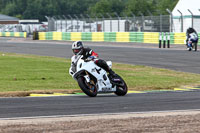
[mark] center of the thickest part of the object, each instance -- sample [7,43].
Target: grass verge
[21,75]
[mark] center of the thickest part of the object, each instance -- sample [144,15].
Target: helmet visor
[76,51]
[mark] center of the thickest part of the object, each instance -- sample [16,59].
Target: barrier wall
[179,38]
[13,34]
[141,37]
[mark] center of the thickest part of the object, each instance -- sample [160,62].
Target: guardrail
[13,34]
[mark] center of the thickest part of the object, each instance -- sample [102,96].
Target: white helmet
[77,48]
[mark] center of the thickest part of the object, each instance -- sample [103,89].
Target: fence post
[54,18]
[60,22]
[65,23]
[134,19]
[76,22]
[48,22]
[103,22]
[89,21]
[71,22]
[83,22]
[127,27]
[118,21]
[181,20]
[133,16]
[171,17]
[142,21]
[151,15]
[160,22]
[192,17]
[110,21]
[96,19]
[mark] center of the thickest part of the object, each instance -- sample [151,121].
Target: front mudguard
[83,73]
[79,74]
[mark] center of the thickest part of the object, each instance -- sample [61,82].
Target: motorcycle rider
[192,37]
[89,54]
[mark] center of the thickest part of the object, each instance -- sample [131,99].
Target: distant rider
[192,37]
[78,49]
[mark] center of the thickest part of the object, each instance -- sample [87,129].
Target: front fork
[90,82]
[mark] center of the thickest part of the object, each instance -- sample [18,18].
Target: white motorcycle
[92,79]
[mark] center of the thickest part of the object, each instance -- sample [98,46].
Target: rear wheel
[122,88]
[89,89]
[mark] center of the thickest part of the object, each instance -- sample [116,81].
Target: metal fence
[85,23]
[29,28]
[108,23]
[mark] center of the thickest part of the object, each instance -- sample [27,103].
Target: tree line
[38,9]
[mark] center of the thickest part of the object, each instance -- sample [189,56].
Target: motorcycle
[93,80]
[192,41]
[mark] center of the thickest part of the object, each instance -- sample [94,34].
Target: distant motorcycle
[192,42]
[93,80]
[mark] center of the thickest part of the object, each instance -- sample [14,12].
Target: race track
[79,105]
[175,59]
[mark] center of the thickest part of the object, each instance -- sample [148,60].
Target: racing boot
[111,73]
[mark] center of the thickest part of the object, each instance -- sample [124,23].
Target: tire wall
[137,37]
[13,34]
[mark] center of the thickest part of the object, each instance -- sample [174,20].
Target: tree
[9,8]
[107,6]
[38,9]
[162,5]
[138,6]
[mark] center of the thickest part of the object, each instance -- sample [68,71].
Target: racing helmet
[77,48]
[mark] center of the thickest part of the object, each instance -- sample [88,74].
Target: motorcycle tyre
[85,88]
[120,92]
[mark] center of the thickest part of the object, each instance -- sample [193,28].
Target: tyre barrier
[163,38]
[13,34]
[138,37]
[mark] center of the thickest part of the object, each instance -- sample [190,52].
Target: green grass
[27,72]
[31,73]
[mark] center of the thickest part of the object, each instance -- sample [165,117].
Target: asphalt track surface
[176,58]
[78,105]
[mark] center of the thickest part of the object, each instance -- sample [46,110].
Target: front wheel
[89,89]
[121,89]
